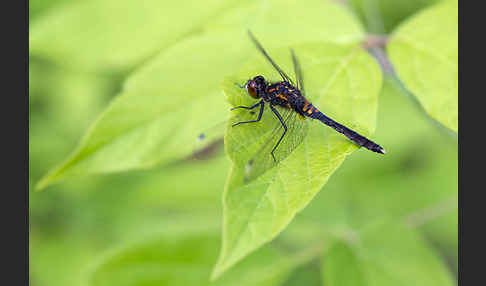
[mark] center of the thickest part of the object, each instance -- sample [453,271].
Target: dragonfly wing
[284,76]
[250,144]
[255,141]
[298,72]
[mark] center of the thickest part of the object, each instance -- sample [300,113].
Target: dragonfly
[287,102]
[289,95]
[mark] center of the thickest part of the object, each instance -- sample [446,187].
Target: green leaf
[168,102]
[384,254]
[424,52]
[116,35]
[343,81]
[110,35]
[186,260]
[382,16]
[285,21]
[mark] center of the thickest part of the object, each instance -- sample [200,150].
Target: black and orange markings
[291,96]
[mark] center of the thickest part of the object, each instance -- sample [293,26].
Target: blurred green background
[95,230]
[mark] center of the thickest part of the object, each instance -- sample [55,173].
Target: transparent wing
[298,72]
[250,144]
[284,76]
[253,142]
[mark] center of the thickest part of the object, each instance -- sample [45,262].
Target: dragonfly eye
[251,88]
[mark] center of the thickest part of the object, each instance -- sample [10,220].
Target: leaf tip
[46,180]
[216,273]
[221,266]
[42,184]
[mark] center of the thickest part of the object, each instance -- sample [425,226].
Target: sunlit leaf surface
[343,81]
[116,35]
[424,52]
[165,105]
[111,35]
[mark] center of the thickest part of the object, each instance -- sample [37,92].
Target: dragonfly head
[256,86]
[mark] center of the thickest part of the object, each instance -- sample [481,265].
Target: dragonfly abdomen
[313,112]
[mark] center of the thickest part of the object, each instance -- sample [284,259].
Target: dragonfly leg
[262,105]
[285,130]
[247,107]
